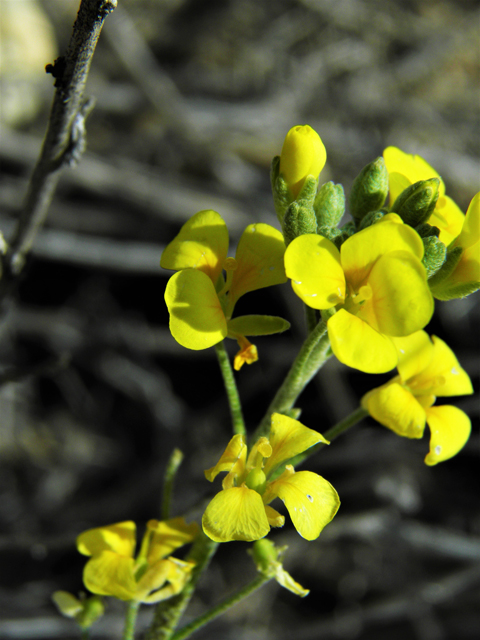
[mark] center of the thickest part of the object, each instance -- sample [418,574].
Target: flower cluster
[152,576]
[241,510]
[426,369]
[201,301]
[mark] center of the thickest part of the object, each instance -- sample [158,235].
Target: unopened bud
[416,203]
[369,189]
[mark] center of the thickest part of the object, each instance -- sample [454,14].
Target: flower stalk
[238,422]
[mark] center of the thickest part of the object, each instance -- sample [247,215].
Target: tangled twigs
[65,138]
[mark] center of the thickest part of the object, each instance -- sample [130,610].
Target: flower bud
[369,189]
[416,203]
[329,205]
[298,221]
[434,256]
[303,154]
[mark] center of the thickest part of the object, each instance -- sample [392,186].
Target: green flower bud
[298,221]
[85,611]
[371,218]
[369,189]
[416,203]
[434,255]
[425,230]
[93,609]
[329,205]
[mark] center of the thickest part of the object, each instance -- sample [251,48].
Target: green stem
[130,620]
[170,473]
[186,631]
[330,435]
[231,389]
[311,318]
[312,355]
[85,635]
[169,612]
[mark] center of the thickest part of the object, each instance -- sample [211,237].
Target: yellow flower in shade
[303,154]
[467,270]
[427,368]
[405,169]
[377,283]
[201,301]
[152,576]
[241,510]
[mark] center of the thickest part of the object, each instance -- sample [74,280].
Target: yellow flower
[405,169]
[201,302]
[376,281]
[241,510]
[303,154]
[152,576]
[467,270]
[427,368]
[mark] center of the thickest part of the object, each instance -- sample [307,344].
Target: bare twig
[65,137]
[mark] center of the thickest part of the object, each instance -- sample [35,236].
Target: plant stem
[310,358]
[238,423]
[65,138]
[169,612]
[311,318]
[130,620]
[186,631]
[85,635]
[330,435]
[170,473]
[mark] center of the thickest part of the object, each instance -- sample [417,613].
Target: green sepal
[329,204]
[332,234]
[281,193]
[426,230]
[257,325]
[434,256]
[445,292]
[298,221]
[308,192]
[452,259]
[369,189]
[371,218]
[93,609]
[416,203]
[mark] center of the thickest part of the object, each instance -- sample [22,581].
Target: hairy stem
[170,473]
[186,631]
[238,423]
[130,620]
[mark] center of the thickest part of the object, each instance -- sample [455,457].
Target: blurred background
[193,99]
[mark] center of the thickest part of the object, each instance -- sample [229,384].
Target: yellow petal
[450,429]
[396,408]
[303,154]
[357,345]
[311,501]
[178,576]
[154,577]
[401,301]
[109,574]
[119,538]
[168,535]
[197,320]
[449,218]
[414,354]
[236,514]
[288,438]
[313,264]
[442,374]
[275,519]
[232,459]
[362,250]
[470,233]
[202,243]
[259,259]
[285,580]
